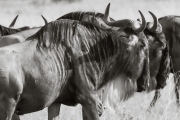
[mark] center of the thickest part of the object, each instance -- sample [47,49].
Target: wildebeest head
[131,32]
[6,31]
[10,30]
[158,53]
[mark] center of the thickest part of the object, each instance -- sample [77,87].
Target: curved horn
[118,23]
[155,25]
[45,21]
[143,25]
[106,14]
[13,22]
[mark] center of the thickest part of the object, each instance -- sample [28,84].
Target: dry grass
[136,107]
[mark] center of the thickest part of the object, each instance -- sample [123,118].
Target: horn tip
[108,5]
[42,16]
[150,12]
[140,11]
[16,16]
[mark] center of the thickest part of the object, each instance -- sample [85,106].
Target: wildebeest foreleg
[176,89]
[156,96]
[53,111]
[85,95]
[89,108]
[99,110]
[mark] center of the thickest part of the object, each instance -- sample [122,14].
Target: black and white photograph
[89,60]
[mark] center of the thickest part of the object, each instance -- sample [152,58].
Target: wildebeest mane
[64,30]
[99,44]
[7,31]
[79,15]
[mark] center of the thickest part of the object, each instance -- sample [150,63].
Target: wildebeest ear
[45,21]
[13,22]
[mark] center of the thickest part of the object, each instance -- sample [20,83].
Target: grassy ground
[136,107]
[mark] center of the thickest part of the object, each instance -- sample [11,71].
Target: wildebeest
[102,21]
[17,35]
[40,66]
[159,54]
[12,36]
[159,57]
[9,31]
[171,29]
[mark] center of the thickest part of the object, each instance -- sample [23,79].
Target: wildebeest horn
[44,19]
[124,22]
[118,23]
[13,22]
[155,25]
[143,25]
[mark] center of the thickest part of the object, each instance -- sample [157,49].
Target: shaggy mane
[65,30]
[79,15]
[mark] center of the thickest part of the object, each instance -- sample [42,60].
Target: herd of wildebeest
[87,58]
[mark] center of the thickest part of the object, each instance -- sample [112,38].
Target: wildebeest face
[159,54]
[131,33]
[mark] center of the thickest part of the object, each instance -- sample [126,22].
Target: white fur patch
[118,90]
[133,40]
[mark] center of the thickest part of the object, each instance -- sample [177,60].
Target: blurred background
[30,12]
